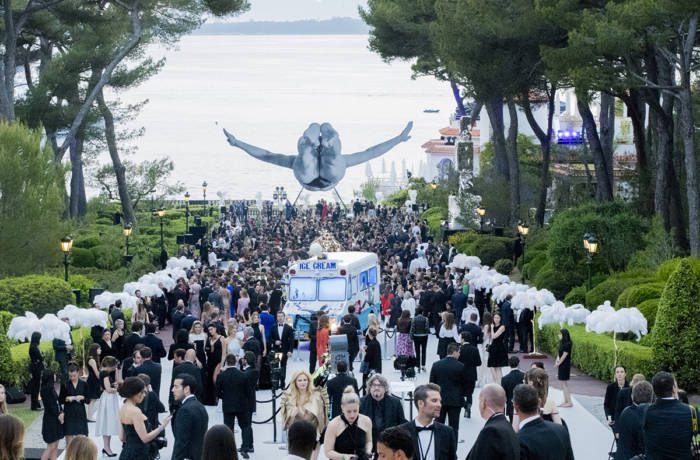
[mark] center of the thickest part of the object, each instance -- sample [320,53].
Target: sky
[291,10]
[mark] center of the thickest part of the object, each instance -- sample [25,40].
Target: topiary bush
[82,257]
[649,308]
[576,295]
[558,281]
[107,257]
[463,240]
[84,284]
[534,265]
[634,295]
[663,273]
[40,294]
[610,289]
[492,248]
[7,369]
[87,242]
[676,332]
[504,266]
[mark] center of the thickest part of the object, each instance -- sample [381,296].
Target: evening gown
[352,440]
[133,448]
[214,353]
[498,352]
[75,418]
[564,369]
[107,412]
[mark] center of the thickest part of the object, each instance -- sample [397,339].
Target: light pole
[66,246]
[163,252]
[204,192]
[482,212]
[523,230]
[187,212]
[590,244]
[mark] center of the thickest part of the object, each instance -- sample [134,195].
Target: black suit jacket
[542,440]
[667,430]
[350,332]
[335,387]
[474,330]
[514,378]
[496,441]
[629,427]
[470,358]
[191,369]
[129,343]
[287,339]
[156,345]
[449,374]
[232,387]
[444,440]
[251,376]
[154,371]
[189,427]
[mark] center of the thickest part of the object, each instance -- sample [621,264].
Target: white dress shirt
[526,421]
[426,441]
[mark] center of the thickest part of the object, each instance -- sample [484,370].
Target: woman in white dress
[107,412]
[484,374]
[409,303]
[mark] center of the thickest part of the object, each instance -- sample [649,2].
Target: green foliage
[649,308]
[84,284]
[462,240]
[6,367]
[676,332]
[618,228]
[635,295]
[558,281]
[659,247]
[397,199]
[666,269]
[611,289]
[37,293]
[86,241]
[594,354]
[576,295]
[492,248]
[31,200]
[434,217]
[504,266]
[107,257]
[81,257]
[369,189]
[535,262]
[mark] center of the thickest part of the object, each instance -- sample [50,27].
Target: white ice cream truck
[331,283]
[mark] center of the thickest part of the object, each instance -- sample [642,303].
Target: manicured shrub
[558,281]
[594,354]
[86,241]
[634,295]
[82,257]
[107,257]
[610,289]
[676,331]
[504,266]
[490,249]
[534,265]
[663,273]
[7,369]
[576,295]
[84,284]
[462,240]
[649,308]
[37,293]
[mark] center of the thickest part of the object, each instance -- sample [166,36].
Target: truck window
[373,276]
[301,289]
[364,281]
[331,289]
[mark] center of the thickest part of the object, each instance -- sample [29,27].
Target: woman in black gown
[498,350]
[52,422]
[36,366]
[214,350]
[563,365]
[94,389]
[350,433]
[74,396]
[134,435]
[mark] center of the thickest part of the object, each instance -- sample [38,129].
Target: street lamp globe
[187,197]
[204,186]
[128,228]
[161,213]
[592,245]
[433,185]
[66,244]
[481,211]
[586,237]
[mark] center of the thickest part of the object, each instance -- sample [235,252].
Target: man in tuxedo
[347,328]
[514,378]
[496,440]
[395,443]
[473,328]
[470,358]
[184,364]
[154,343]
[282,340]
[151,369]
[448,374]
[459,303]
[131,366]
[539,439]
[336,386]
[251,375]
[431,439]
[301,440]
[231,386]
[508,320]
[190,422]
[524,323]
[668,426]
[132,339]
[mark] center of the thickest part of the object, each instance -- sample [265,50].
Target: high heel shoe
[104,453]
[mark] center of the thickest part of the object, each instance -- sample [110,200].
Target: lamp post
[523,230]
[163,252]
[66,246]
[433,185]
[590,244]
[187,212]
[204,192]
[127,230]
[482,212]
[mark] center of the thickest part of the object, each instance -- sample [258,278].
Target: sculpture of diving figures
[319,166]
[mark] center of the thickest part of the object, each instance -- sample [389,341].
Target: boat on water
[431,110]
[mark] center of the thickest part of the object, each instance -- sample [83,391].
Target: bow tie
[425,428]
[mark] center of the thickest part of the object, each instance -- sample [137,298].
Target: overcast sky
[290,10]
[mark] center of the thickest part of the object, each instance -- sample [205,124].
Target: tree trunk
[607,133]
[636,110]
[7,89]
[119,169]
[78,201]
[545,140]
[458,98]
[513,165]
[604,181]
[494,108]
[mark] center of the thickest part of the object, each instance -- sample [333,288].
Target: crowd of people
[231,337]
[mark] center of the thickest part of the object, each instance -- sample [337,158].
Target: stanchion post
[410,404]
[274,415]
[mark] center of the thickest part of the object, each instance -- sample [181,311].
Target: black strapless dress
[133,448]
[352,440]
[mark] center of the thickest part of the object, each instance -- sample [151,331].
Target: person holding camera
[135,437]
[282,341]
[349,435]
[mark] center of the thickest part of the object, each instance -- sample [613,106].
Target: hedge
[649,309]
[576,295]
[533,266]
[666,269]
[40,294]
[504,266]
[594,353]
[611,289]
[7,368]
[635,295]
[676,332]
[560,282]
[490,249]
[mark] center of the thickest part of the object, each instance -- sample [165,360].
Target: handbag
[364,368]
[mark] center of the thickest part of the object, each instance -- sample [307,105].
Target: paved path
[591,439]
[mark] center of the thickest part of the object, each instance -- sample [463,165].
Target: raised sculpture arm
[261,154]
[355,159]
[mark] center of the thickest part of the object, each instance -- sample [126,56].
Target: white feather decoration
[552,314]
[464,262]
[84,317]
[500,292]
[54,328]
[107,298]
[147,289]
[22,327]
[576,314]
[157,278]
[181,262]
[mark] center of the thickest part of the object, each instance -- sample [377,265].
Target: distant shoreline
[335,26]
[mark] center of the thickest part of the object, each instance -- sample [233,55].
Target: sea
[266,90]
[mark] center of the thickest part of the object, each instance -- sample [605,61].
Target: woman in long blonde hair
[81,448]
[303,401]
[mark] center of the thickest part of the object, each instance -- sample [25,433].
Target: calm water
[266,90]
